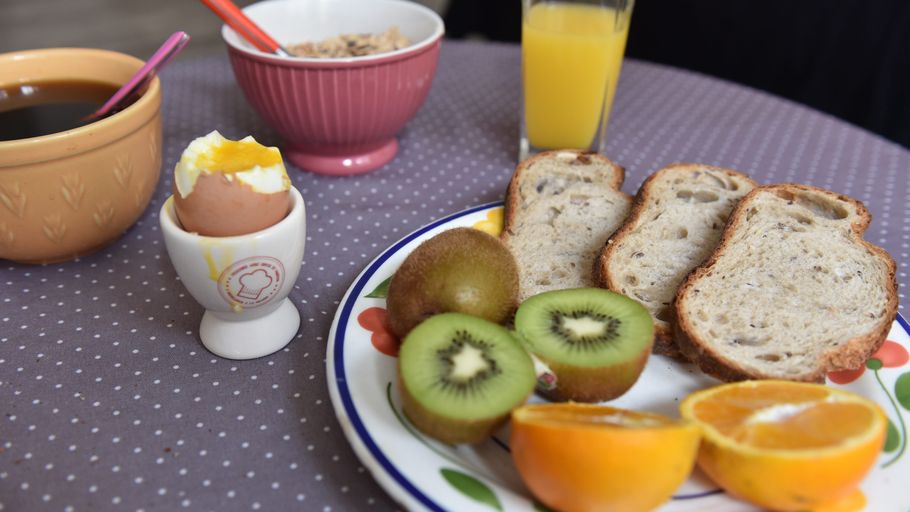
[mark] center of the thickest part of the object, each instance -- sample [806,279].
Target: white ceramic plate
[423,474]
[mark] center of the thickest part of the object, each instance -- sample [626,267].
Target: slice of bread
[561,206]
[791,292]
[677,218]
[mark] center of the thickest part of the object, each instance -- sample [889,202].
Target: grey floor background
[136,27]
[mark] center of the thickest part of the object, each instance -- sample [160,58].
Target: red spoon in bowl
[234,17]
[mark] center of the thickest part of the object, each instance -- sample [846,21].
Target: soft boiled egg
[227,188]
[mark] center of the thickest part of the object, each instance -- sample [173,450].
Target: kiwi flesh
[462,270]
[460,377]
[595,341]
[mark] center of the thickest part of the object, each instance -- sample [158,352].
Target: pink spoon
[140,80]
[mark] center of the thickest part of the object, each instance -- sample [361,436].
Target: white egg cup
[241,281]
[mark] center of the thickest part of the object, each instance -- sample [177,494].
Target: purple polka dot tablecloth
[110,402]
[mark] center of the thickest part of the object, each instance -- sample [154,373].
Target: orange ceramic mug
[71,193]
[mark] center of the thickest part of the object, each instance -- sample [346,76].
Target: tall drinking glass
[571,57]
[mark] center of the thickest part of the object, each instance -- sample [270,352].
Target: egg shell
[220,205]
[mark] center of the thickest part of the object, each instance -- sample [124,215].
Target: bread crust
[512,196]
[664,343]
[852,354]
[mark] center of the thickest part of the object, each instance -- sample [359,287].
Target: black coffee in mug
[42,108]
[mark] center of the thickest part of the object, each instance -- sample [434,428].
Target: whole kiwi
[462,270]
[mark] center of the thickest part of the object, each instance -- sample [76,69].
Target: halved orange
[585,457]
[786,445]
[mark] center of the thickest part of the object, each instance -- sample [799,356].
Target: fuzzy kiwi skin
[438,275]
[579,384]
[448,430]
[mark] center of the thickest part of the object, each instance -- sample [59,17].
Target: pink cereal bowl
[338,116]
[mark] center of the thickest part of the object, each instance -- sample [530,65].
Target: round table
[110,402]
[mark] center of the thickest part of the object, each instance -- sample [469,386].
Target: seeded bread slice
[677,218]
[791,292]
[561,206]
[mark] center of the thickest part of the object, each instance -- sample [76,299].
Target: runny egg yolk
[230,188]
[234,156]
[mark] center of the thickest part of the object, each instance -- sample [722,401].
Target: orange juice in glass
[571,57]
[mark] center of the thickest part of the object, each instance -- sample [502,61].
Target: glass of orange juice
[571,57]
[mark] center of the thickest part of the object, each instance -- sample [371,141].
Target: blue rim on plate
[337,355]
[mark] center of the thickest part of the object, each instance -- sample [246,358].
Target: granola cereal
[352,45]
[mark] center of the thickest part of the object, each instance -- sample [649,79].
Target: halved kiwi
[460,376]
[595,341]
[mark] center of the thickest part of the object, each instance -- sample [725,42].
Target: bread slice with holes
[791,292]
[560,208]
[677,218]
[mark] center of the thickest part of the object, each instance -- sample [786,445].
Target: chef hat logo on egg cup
[243,281]
[251,282]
